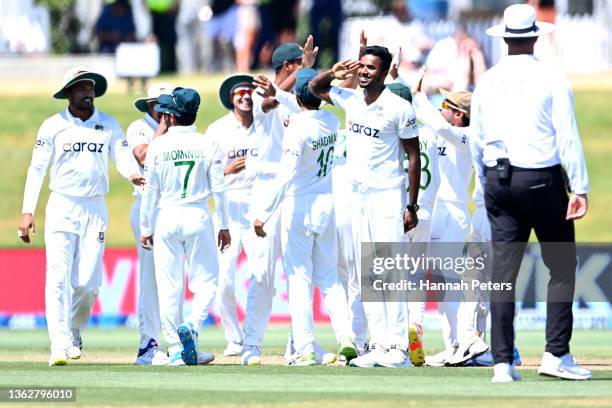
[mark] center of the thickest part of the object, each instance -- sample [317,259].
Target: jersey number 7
[189,163]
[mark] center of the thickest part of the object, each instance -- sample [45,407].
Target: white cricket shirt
[523,109]
[78,153]
[454,157]
[235,141]
[430,173]
[183,167]
[272,124]
[138,133]
[307,160]
[373,154]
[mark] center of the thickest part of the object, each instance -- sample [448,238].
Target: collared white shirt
[272,125]
[523,109]
[430,172]
[373,154]
[236,141]
[182,168]
[141,132]
[454,158]
[307,160]
[78,152]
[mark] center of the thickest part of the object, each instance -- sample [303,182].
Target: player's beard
[84,104]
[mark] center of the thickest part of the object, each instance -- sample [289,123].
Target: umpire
[526,146]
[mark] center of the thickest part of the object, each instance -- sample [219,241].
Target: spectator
[325,23]
[455,63]
[246,35]
[221,29]
[114,26]
[278,25]
[163,15]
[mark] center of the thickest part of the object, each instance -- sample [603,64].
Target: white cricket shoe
[58,359]
[322,356]
[563,367]
[370,359]
[233,349]
[394,358]
[303,360]
[440,359]
[74,350]
[473,347]
[177,359]
[505,373]
[149,353]
[251,355]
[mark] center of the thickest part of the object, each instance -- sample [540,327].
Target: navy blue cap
[182,101]
[302,79]
[286,52]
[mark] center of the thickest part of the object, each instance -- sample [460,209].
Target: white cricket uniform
[430,182]
[378,200]
[76,216]
[235,141]
[183,168]
[451,217]
[266,251]
[308,230]
[347,271]
[141,132]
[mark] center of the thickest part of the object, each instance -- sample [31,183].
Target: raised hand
[265,86]
[345,69]
[310,53]
[363,43]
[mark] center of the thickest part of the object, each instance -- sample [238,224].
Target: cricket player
[420,236]
[451,218]
[77,143]
[273,118]
[139,135]
[308,232]
[378,120]
[183,168]
[238,137]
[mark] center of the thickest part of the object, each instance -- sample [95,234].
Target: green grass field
[104,376]
[23,112]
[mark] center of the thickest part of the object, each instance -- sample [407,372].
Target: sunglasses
[244,91]
[447,105]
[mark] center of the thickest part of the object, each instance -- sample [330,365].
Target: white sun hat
[152,94]
[520,22]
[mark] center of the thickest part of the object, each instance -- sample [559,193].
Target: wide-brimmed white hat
[78,74]
[520,22]
[152,94]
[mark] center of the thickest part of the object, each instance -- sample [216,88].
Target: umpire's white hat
[520,22]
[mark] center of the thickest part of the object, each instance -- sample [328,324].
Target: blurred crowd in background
[239,35]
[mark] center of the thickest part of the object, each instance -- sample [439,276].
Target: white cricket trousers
[377,215]
[473,315]
[260,294]
[184,239]
[450,225]
[420,234]
[311,259]
[75,231]
[242,237]
[148,302]
[348,275]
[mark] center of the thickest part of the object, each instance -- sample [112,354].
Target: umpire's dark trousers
[532,199]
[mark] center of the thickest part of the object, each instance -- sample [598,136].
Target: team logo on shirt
[363,130]
[124,143]
[101,237]
[83,147]
[235,153]
[411,122]
[99,128]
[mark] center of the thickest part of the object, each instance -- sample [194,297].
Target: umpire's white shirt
[183,167]
[375,130]
[307,157]
[523,109]
[141,132]
[78,152]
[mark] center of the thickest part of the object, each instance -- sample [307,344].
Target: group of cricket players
[287,184]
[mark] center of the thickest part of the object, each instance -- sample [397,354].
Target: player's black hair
[382,53]
[185,120]
[466,121]
[310,105]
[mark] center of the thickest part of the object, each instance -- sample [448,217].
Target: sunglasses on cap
[447,105]
[243,91]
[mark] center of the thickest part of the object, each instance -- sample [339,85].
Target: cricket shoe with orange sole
[415,348]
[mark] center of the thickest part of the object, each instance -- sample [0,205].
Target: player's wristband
[413,208]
